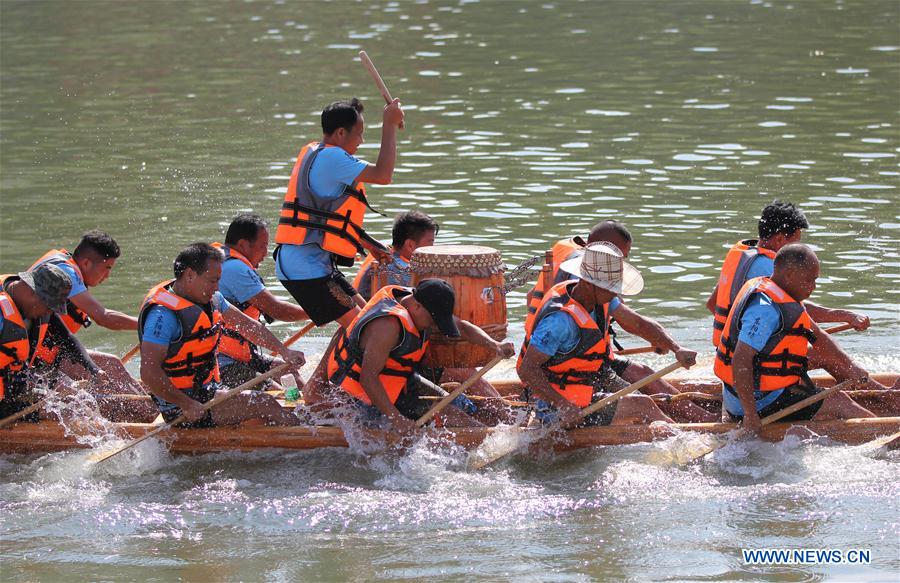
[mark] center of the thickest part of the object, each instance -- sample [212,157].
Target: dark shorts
[789,396]
[325,299]
[618,365]
[606,382]
[170,411]
[238,373]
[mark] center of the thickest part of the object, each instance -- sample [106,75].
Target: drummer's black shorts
[238,373]
[325,299]
[789,396]
[171,412]
[618,365]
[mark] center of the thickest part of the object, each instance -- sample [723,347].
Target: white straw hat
[603,265]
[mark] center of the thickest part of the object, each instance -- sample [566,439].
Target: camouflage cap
[51,284]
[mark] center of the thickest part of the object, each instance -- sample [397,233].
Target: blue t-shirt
[78,286]
[240,282]
[761,319]
[161,325]
[332,170]
[558,333]
[761,266]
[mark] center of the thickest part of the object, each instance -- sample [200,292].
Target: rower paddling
[246,246]
[763,353]
[180,327]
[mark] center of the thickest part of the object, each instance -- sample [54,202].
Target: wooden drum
[476,273]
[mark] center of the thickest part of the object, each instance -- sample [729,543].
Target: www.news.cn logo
[806,557]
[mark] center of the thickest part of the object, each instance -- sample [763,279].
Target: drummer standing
[321,222]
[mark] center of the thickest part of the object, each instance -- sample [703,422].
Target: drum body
[476,273]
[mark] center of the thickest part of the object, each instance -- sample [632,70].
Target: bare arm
[110,319]
[277,309]
[259,334]
[472,333]
[382,171]
[711,302]
[654,333]
[532,376]
[156,381]
[376,342]
[742,363]
[823,314]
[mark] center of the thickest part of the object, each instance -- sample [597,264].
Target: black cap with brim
[438,297]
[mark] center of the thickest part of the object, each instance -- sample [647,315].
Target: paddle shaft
[591,408]
[457,391]
[648,349]
[777,415]
[278,370]
[131,353]
[16,416]
[299,334]
[373,72]
[629,389]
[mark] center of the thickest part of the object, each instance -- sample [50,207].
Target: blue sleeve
[161,326]
[614,304]
[332,170]
[78,286]
[223,303]
[555,333]
[239,282]
[760,320]
[761,266]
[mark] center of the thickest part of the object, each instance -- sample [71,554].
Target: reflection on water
[526,122]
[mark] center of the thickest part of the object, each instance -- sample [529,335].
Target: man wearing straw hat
[564,362]
[617,234]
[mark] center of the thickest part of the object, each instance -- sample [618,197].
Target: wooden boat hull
[49,436]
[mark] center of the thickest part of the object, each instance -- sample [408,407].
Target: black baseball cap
[437,296]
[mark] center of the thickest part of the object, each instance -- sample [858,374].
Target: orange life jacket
[191,359]
[732,277]
[570,373]
[74,319]
[562,250]
[345,362]
[782,362]
[335,225]
[17,350]
[233,344]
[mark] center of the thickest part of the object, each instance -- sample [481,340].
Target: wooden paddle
[515,444]
[776,416]
[883,445]
[131,353]
[16,416]
[458,391]
[299,334]
[648,349]
[373,72]
[278,370]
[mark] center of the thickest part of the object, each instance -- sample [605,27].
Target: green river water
[526,122]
